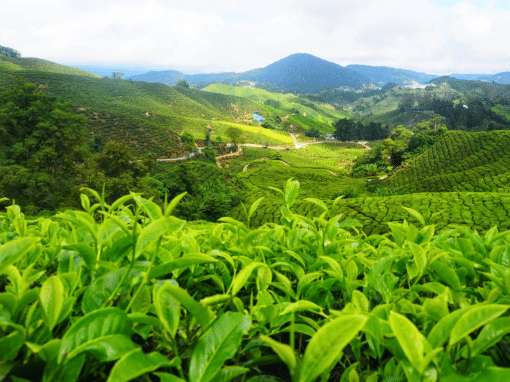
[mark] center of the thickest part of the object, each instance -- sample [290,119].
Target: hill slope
[29,63]
[147,116]
[460,161]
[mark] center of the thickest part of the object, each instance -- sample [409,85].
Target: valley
[300,222]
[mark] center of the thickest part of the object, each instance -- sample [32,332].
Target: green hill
[148,116]
[460,161]
[286,103]
[29,63]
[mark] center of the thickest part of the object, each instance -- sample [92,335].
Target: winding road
[296,146]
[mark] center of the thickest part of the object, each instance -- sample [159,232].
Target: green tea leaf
[51,297]
[86,252]
[446,274]
[11,344]
[410,339]
[291,192]
[243,276]
[183,262]
[253,207]
[416,215]
[230,372]
[106,348]
[475,318]
[285,352]
[326,346]
[168,309]
[441,331]
[360,301]
[93,326]
[152,209]
[218,345]
[136,363]
[202,314]
[14,250]
[490,335]
[166,377]
[102,288]
[154,230]
[142,302]
[299,306]
[171,206]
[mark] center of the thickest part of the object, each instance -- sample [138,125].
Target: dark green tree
[235,135]
[188,141]
[183,83]
[313,133]
[41,143]
[39,132]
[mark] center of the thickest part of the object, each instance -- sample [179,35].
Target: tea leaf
[51,297]
[168,309]
[243,276]
[285,352]
[182,262]
[475,318]
[410,339]
[93,326]
[154,230]
[217,346]
[136,363]
[203,315]
[14,250]
[151,208]
[490,335]
[326,346]
[299,306]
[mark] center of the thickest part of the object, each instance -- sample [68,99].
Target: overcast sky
[432,36]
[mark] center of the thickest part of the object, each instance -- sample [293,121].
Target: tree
[43,139]
[345,130]
[9,52]
[188,141]
[183,83]
[39,132]
[117,75]
[313,133]
[235,135]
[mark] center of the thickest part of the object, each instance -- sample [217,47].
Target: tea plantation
[461,161]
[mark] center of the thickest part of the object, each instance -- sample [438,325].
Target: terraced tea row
[460,161]
[481,211]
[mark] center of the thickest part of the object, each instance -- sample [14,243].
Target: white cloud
[233,35]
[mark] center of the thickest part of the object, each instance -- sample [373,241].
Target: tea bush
[126,291]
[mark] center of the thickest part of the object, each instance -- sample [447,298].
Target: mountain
[305,73]
[499,78]
[382,75]
[297,73]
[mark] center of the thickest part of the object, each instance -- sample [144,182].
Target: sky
[432,36]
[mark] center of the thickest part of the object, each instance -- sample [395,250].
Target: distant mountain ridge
[499,78]
[299,73]
[382,75]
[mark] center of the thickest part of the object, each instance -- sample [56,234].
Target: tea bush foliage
[125,291]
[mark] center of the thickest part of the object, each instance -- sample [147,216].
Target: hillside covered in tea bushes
[460,161]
